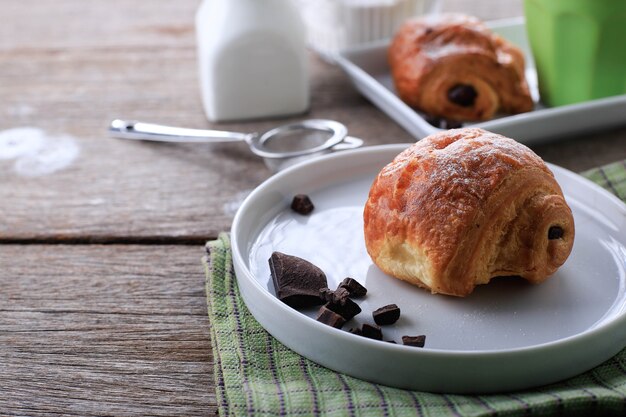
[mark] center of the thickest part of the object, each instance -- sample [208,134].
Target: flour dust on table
[35,152]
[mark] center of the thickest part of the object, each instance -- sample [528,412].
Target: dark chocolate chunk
[330,318]
[372,331]
[326,294]
[392,341]
[388,314]
[442,123]
[353,287]
[463,95]
[555,232]
[302,204]
[347,310]
[417,341]
[337,297]
[451,124]
[356,330]
[297,282]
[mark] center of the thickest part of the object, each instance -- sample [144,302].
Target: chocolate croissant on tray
[452,66]
[461,207]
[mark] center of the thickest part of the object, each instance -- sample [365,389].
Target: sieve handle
[149,131]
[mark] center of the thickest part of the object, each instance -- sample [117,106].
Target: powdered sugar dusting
[35,152]
[18,142]
[21,110]
[454,173]
[478,159]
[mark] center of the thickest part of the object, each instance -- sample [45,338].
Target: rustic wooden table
[102,304]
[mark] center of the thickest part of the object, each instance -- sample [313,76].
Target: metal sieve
[279,147]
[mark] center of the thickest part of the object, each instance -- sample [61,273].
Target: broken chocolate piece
[555,232]
[372,331]
[356,330]
[297,282]
[348,310]
[354,288]
[302,204]
[337,297]
[443,123]
[330,318]
[463,95]
[388,314]
[392,341]
[326,294]
[417,341]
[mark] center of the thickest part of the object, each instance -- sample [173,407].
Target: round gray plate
[506,335]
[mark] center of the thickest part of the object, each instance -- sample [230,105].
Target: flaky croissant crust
[430,55]
[463,206]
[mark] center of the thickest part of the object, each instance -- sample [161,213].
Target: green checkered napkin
[611,177]
[255,375]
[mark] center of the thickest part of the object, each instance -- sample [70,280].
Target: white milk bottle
[252,58]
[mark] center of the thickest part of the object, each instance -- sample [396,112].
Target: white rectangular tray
[368,69]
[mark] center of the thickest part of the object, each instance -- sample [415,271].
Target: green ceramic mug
[579,48]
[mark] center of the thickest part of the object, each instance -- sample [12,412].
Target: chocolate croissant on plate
[453,66]
[463,206]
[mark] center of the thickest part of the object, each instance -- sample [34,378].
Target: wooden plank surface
[104,330]
[68,72]
[114,189]
[121,329]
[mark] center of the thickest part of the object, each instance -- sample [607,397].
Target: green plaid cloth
[611,177]
[255,375]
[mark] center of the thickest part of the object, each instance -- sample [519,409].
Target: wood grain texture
[121,329]
[65,71]
[104,330]
[120,190]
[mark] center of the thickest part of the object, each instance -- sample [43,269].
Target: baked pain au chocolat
[453,66]
[463,206]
